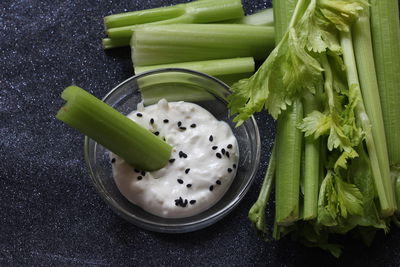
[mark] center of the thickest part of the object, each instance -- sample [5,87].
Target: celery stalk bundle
[331,159]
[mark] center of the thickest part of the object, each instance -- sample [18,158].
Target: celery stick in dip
[202,166]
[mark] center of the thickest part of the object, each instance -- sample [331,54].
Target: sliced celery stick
[163,44]
[227,70]
[203,11]
[92,117]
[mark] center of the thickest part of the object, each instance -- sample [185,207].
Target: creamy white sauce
[199,175]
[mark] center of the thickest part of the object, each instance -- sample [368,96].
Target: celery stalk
[369,88]
[163,44]
[257,211]
[92,117]
[385,29]
[264,17]
[288,153]
[289,137]
[381,182]
[227,70]
[204,11]
[311,165]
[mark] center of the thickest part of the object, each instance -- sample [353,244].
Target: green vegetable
[203,11]
[385,28]
[109,43]
[92,117]
[227,70]
[257,211]
[152,45]
[370,94]
[264,17]
[288,153]
[311,164]
[346,188]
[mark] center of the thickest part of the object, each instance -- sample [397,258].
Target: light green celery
[257,211]
[370,92]
[311,164]
[163,44]
[227,70]
[92,117]
[381,182]
[289,137]
[264,17]
[204,11]
[288,157]
[385,27]
[109,43]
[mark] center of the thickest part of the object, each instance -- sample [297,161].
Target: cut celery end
[92,117]
[264,17]
[152,45]
[109,43]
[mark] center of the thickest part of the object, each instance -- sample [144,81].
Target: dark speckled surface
[50,214]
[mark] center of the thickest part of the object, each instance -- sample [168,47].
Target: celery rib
[381,182]
[203,11]
[264,17]
[385,27]
[370,93]
[92,117]
[227,70]
[288,149]
[311,165]
[152,45]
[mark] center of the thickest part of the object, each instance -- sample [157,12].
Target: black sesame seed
[227,154]
[234,166]
[151,120]
[139,177]
[185,203]
[218,155]
[218,182]
[136,170]
[171,160]
[211,138]
[182,128]
[223,151]
[143,173]
[180,181]
[113,160]
[139,114]
[214,147]
[179,123]
[157,133]
[229,146]
[182,155]
[189,185]
[193,125]
[211,187]
[192,201]
[229,170]
[187,170]
[166,121]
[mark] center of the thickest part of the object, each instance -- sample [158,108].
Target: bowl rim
[174,227]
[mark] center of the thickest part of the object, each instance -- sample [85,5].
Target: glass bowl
[175,85]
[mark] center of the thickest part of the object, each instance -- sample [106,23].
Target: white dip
[202,166]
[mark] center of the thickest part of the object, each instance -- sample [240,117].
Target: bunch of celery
[330,162]
[198,35]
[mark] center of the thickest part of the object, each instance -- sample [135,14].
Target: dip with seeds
[202,166]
